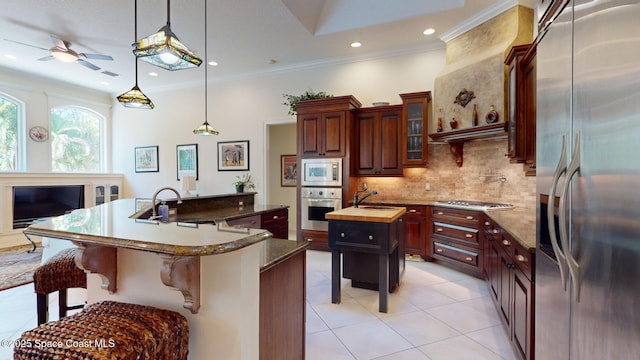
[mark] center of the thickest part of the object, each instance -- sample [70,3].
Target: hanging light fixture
[205,128]
[165,50]
[135,98]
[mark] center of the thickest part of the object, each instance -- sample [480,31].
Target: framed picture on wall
[146,159]
[288,170]
[233,155]
[187,160]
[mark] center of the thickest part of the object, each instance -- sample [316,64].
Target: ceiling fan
[62,51]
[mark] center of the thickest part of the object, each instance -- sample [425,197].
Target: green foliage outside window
[8,134]
[75,140]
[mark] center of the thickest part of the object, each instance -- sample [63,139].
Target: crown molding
[480,18]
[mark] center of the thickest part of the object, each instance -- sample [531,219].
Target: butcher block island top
[368,213]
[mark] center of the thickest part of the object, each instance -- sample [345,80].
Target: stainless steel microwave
[322,172]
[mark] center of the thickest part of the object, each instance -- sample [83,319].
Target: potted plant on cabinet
[244,182]
[308,95]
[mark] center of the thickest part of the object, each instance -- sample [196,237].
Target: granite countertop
[386,214]
[278,250]
[110,225]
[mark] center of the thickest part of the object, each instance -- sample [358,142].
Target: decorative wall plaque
[464,97]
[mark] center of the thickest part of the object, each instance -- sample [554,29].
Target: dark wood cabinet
[415,124]
[521,103]
[277,222]
[377,142]
[454,239]
[509,273]
[416,223]
[318,240]
[323,126]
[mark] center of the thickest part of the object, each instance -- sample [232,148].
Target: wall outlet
[427,186]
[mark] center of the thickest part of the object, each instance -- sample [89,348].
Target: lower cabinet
[318,240]
[276,222]
[416,223]
[508,268]
[454,239]
[282,310]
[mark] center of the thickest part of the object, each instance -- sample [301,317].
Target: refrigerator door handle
[560,256]
[574,267]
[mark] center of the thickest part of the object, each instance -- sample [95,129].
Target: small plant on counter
[244,182]
[308,95]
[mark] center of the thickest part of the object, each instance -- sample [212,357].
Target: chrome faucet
[154,215]
[357,201]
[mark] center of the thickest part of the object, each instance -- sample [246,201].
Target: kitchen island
[216,268]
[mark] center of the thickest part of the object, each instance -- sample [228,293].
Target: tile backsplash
[448,181]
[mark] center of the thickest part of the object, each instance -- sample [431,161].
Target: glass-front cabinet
[415,115]
[106,192]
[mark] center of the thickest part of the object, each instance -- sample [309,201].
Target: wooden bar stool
[59,273]
[109,330]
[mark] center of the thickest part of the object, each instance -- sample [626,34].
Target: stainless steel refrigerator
[587,284]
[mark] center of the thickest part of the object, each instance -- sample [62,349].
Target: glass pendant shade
[135,98]
[205,129]
[165,50]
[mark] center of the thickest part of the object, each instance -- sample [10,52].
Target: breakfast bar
[215,268]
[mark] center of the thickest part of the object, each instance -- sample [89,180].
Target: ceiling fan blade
[95,56]
[87,64]
[46,58]
[21,43]
[106,72]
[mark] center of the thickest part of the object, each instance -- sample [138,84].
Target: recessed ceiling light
[213,63]
[9,56]
[356,44]
[153,73]
[104,83]
[429,31]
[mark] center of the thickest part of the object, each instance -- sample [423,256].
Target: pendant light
[135,98]
[165,50]
[205,128]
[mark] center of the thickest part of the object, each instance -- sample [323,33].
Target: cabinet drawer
[458,232]
[457,253]
[415,212]
[252,222]
[456,215]
[357,235]
[318,239]
[276,215]
[523,260]
[491,230]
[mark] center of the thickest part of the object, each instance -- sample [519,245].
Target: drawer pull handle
[439,230]
[468,235]
[506,242]
[440,213]
[469,217]
[521,258]
[370,237]
[413,211]
[439,250]
[341,234]
[275,217]
[309,239]
[487,223]
[468,258]
[495,231]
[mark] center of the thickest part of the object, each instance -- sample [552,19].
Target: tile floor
[437,313]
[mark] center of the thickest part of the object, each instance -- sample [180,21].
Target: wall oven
[315,203]
[321,172]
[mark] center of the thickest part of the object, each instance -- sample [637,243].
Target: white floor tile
[324,346]
[348,312]
[458,348]
[420,328]
[411,354]
[465,289]
[463,318]
[371,339]
[314,323]
[496,339]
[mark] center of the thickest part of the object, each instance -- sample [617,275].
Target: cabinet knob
[440,213]
[341,234]
[469,258]
[370,237]
[469,217]
[495,231]
[506,242]
[275,217]
[439,230]
[509,265]
[309,239]
[486,223]
[413,211]
[468,236]
[439,250]
[521,258]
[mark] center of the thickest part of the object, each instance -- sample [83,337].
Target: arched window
[11,119]
[76,139]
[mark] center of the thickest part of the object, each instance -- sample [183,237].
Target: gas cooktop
[474,205]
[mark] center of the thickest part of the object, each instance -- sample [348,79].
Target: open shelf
[457,138]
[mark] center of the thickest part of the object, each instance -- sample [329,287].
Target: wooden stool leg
[62,303]
[41,306]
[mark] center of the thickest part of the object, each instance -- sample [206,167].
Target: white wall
[240,108]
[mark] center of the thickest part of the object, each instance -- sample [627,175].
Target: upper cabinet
[322,126]
[377,145]
[521,63]
[415,115]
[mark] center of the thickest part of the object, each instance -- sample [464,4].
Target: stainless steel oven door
[315,203]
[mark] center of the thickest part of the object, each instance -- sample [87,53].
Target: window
[76,139]
[11,119]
